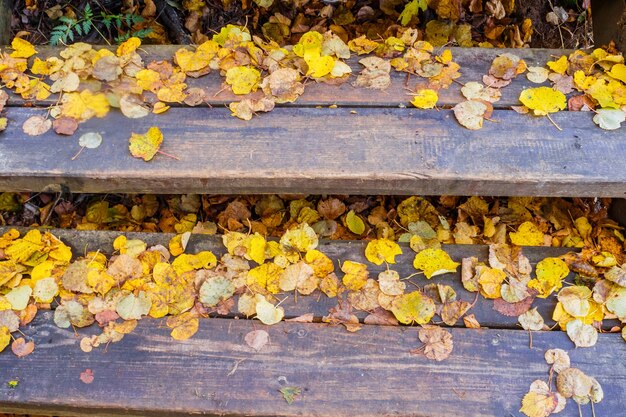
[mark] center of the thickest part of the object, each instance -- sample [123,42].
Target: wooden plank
[474,62]
[319,151]
[340,251]
[6,12]
[606,17]
[368,373]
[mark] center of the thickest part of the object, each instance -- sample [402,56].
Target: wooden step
[366,146]
[367,373]
[319,151]
[474,62]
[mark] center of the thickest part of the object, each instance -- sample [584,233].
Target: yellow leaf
[321,264]
[434,262]
[355,223]
[183,326]
[362,45]
[413,308]
[242,79]
[187,262]
[550,273]
[559,66]
[425,99]
[267,312]
[22,249]
[355,276]
[382,250]
[5,337]
[84,105]
[310,44]
[129,46]
[543,100]
[618,71]
[22,48]
[490,281]
[146,145]
[539,404]
[302,239]
[132,247]
[255,248]
[178,243]
[527,235]
[265,277]
[319,66]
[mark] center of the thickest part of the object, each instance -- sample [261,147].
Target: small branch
[172,22]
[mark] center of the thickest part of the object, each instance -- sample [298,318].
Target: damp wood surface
[474,62]
[339,251]
[368,373]
[324,151]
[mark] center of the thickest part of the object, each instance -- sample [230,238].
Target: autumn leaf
[434,262]
[290,393]
[146,145]
[437,342]
[425,98]
[382,250]
[243,79]
[266,312]
[543,100]
[22,48]
[539,401]
[413,308]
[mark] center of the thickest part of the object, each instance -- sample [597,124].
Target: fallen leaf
[539,401]
[413,308]
[437,342]
[434,262]
[470,114]
[266,312]
[22,348]
[609,119]
[382,250]
[425,98]
[36,125]
[290,393]
[65,125]
[531,320]
[87,376]
[558,358]
[543,100]
[146,145]
[257,339]
[583,335]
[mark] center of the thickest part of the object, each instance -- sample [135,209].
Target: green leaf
[355,223]
[290,393]
[609,119]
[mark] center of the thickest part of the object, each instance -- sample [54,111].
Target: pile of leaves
[499,23]
[90,82]
[571,382]
[37,271]
[536,221]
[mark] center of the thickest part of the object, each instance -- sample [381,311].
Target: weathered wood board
[368,373]
[474,62]
[340,251]
[6,11]
[318,151]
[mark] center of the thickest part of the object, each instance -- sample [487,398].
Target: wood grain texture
[474,62]
[318,151]
[6,11]
[368,373]
[340,251]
